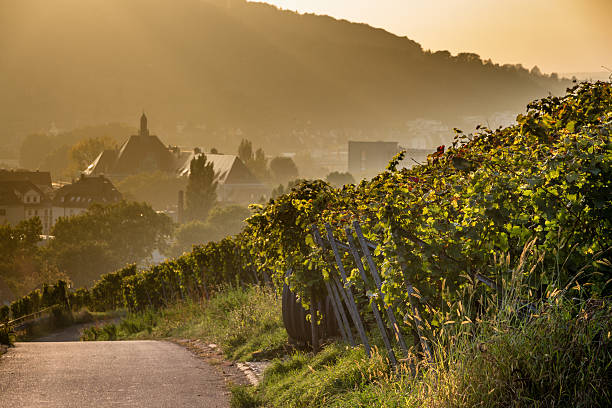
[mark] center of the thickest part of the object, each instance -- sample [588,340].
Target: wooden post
[341,318]
[346,286]
[345,320]
[378,282]
[379,322]
[314,332]
[338,289]
[336,311]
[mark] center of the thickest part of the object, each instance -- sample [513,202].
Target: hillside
[495,255]
[251,66]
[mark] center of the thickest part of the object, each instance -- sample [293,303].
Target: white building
[21,199]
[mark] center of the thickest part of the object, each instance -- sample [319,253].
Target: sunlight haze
[556,35]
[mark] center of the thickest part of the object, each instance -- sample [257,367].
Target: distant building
[22,199]
[367,159]
[145,153]
[76,198]
[235,181]
[141,153]
[41,179]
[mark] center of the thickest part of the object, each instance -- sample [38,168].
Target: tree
[280,189]
[222,222]
[85,151]
[536,71]
[159,189]
[468,57]
[245,151]
[228,220]
[106,238]
[255,162]
[283,169]
[22,268]
[189,234]
[259,165]
[338,179]
[201,194]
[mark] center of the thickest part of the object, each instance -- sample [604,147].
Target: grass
[245,322]
[244,396]
[560,356]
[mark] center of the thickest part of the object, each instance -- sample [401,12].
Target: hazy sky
[557,35]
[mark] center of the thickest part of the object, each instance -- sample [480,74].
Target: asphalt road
[108,374]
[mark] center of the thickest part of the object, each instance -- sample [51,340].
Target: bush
[107,332]
[4,313]
[6,337]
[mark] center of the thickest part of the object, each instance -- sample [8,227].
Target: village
[32,193]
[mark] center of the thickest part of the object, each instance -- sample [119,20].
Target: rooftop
[86,191]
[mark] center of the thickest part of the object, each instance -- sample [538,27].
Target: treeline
[248,67]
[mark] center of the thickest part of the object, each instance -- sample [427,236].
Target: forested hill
[232,64]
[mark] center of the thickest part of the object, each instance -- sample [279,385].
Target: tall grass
[245,321]
[509,349]
[514,348]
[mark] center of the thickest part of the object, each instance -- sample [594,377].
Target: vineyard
[544,183]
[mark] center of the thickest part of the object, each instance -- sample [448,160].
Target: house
[76,198]
[145,153]
[22,199]
[41,179]
[235,182]
[141,153]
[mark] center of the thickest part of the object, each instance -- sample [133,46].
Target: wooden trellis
[345,308]
[340,290]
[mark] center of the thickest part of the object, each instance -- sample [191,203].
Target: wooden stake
[379,322]
[336,302]
[336,311]
[313,323]
[346,286]
[374,271]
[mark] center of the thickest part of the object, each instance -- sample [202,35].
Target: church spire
[144,131]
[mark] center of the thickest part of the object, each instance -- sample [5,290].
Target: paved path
[73,333]
[108,374]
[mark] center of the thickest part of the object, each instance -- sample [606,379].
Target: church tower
[144,131]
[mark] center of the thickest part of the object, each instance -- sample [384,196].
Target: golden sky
[557,35]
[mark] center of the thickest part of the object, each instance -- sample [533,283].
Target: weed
[244,397]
